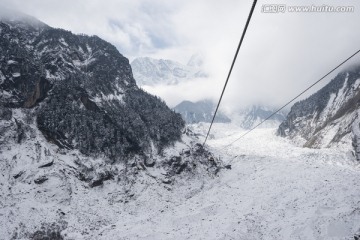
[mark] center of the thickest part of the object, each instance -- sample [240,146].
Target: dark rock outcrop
[49,164]
[41,180]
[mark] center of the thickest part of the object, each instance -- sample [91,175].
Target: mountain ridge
[79,74]
[151,72]
[325,118]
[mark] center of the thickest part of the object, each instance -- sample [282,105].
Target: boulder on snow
[41,180]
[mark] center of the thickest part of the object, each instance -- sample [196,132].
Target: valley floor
[274,191]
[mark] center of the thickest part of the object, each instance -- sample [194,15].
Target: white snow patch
[88,48]
[6,94]
[10,62]
[2,77]
[113,96]
[63,42]
[16,74]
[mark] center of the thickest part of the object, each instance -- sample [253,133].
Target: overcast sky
[281,55]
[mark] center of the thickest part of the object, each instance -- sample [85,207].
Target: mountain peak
[196,60]
[150,71]
[19,19]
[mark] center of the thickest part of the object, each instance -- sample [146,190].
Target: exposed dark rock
[47,164]
[149,162]
[187,152]
[228,167]
[47,235]
[41,89]
[19,174]
[96,183]
[41,180]
[49,231]
[89,105]
[166,181]
[106,176]
[57,138]
[101,178]
[196,156]
[180,167]
[83,177]
[199,149]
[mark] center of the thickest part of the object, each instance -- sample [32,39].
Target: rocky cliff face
[326,118]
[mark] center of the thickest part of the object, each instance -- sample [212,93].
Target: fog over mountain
[282,53]
[152,72]
[201,111]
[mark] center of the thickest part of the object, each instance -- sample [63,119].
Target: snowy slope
[325,119]
[73,122]
[278,191]
[51,193]
[274,190]
[150,72]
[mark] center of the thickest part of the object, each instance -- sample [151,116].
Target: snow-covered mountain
[201,111]
[247,118]
[86,155]
[150,72]
[82,91]
[327,117]
[75,130]
[251,116]
[196,61]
